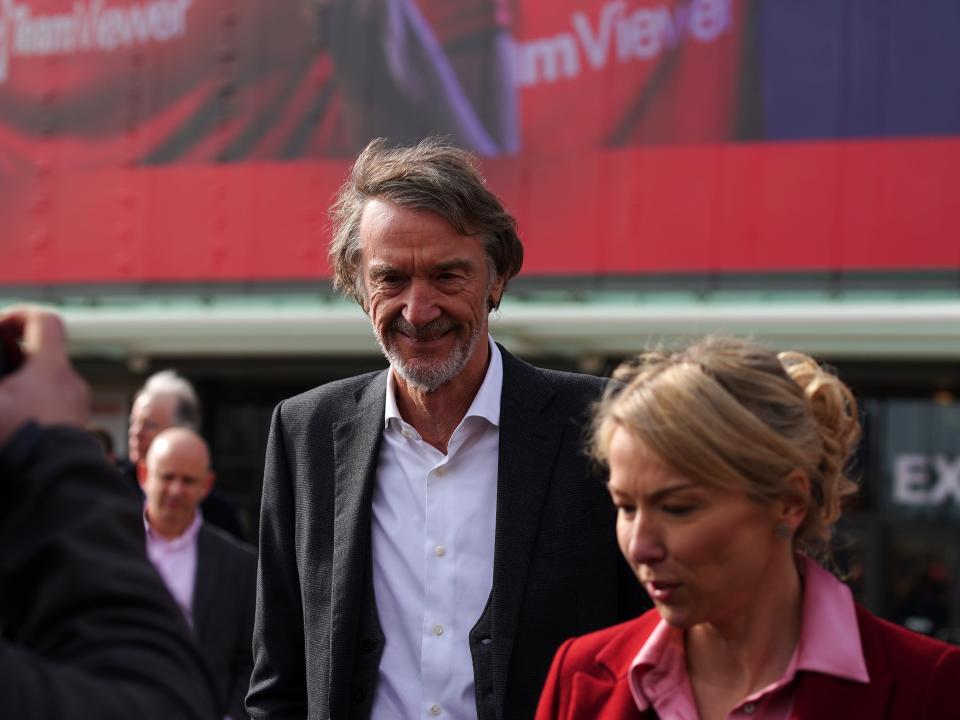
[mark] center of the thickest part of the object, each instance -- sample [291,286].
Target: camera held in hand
[11,356]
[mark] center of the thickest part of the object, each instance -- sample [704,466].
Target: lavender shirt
[176,561]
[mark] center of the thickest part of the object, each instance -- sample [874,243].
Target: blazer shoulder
[899,649]
[330,399]
[238,550]
[342,389]
[922,672]
[571,382]
[522,378]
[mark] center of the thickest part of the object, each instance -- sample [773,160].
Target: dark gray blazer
[224,598]
[557,571]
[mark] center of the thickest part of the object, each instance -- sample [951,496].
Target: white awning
[865,330]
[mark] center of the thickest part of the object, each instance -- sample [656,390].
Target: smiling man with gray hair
[429,534]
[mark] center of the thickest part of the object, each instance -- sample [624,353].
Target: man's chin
[430,371]
[429,376]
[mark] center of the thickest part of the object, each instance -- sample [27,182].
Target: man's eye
[389,282]
[626,509]
[678,509]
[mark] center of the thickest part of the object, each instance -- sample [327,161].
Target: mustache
[430,331]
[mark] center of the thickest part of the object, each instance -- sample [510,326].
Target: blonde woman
[727,470]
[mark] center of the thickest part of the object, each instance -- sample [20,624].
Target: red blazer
[911,677]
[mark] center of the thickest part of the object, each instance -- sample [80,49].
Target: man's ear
[496,293]
[208,484]
[792,509]
[141,468]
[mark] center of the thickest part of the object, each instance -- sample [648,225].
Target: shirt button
[435,710]
[437,630]
[749,708]
[440,550]
[440,471]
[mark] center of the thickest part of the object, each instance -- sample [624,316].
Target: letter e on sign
[910,479]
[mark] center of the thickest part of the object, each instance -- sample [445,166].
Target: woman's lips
[661,591]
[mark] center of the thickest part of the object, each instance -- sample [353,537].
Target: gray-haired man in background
[164,401]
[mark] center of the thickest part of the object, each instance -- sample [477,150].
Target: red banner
[174,140]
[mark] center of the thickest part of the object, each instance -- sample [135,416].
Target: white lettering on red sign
[638,35]
[92,26]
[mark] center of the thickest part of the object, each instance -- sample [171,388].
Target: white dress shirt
[434,517]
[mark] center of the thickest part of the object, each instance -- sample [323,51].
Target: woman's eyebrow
[662,493]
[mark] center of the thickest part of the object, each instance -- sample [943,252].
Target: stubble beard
[428,375]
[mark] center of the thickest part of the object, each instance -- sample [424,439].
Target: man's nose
[421,303]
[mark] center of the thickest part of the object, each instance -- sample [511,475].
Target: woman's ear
[792,509]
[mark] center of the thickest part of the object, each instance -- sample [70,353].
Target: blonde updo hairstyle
[729,413]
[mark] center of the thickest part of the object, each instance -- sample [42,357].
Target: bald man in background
[211,575]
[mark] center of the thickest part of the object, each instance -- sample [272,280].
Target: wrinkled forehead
[383,220]
[395,236]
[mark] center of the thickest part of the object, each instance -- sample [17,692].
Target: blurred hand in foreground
[45,388]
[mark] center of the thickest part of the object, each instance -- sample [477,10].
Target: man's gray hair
[186,411]
[433,176]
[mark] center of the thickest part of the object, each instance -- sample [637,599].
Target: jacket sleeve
[278,684]
[555,695]
[88,628]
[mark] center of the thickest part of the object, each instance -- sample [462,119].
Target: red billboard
[201,140]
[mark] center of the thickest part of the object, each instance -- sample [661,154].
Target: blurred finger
[42,331]
[45,334]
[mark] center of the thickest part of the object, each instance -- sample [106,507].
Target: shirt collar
[486,403]
[655,668]
[829,633]
[188,536]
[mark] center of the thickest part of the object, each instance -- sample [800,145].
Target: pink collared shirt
[829,644]
[176,561]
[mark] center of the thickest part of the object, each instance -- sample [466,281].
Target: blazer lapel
[205,584]
[529,441]
[603,698]
[356,452]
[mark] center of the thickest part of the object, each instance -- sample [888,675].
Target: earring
[782,531]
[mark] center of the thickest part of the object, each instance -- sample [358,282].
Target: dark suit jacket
[557,570]
[87,627]
[224,598]
[912,677]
